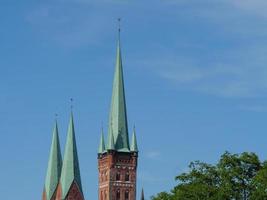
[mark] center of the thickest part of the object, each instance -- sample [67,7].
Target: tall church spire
[117,167]
[70,175]
[118,114]
[54,167]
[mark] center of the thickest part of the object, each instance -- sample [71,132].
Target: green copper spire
[54,166]
[102,147]
[134,146]
[70,169]
[110,145]
[118,115]
[142,195]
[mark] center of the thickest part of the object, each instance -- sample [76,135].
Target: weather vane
[119,24]
[71,103]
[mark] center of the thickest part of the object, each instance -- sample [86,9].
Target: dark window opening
[127,176]
[118,195]
[118,176]
[127,195]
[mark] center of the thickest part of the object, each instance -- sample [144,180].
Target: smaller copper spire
[142,194]
[71,103]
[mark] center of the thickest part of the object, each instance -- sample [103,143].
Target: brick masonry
[74,193]
[117,175]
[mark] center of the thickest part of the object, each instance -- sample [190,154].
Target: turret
[102,146]
[142,194]
[134,147]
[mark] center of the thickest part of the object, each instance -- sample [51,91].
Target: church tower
[117,159]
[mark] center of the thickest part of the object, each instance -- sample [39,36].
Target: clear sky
[195,77]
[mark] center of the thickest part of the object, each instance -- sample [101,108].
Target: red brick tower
[117,160]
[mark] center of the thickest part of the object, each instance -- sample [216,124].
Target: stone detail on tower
[117,164]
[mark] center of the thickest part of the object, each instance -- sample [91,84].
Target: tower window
[126,195]
[127,176]
[118,176]
[118,195]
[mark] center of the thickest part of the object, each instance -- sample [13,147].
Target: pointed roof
[142,194]
[102,146]
[54,165]
[70,169]
[134,146]
[110,145]
[118,115]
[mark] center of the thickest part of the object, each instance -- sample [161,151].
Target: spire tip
[119,24]
[71,104]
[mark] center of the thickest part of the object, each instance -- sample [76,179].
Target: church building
[117,157]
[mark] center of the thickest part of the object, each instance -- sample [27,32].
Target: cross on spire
[119,29]
[119,24]
[71,103]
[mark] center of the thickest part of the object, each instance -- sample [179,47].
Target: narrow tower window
[118,176]
[127,176]
[126,195]
[118,195]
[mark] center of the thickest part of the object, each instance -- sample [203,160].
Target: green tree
[163,196]
[236,174]
[200,183]
[234,177]
[259,184]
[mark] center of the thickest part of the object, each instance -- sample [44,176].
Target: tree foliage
[234,177]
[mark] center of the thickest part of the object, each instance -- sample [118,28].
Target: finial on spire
[119,24]
[71,103]
[119,28]
[102,127]
[56,116]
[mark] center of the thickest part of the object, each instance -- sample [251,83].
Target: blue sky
[195,78]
